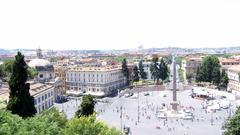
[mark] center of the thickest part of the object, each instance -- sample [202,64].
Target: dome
[38,63]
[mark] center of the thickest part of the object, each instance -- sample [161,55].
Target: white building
[234,79]
[45,69]
[43,95]
[97,81]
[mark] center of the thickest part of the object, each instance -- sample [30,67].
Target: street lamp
[138,108]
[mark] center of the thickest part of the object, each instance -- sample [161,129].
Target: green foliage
[159,71]
[163,70]
[20,101]
[154,69]
[216,76]
[142,73]
[52,122]
[86,107]
[223,81]
[54,115]
[88,126]
[232,126]
[180,75]
[135,74]
[178,61]
[189,76]
[32,72]
[168,59]
[209,70]
[6,69]
[125,70]
[227,55]
[9,123]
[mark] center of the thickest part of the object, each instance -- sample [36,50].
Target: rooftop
[101,69]
[35,88]
[230,60]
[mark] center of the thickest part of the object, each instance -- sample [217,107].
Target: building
[97,81]
[234,79]
[190,65]
[59,90]
[45,69]
[60,72]
[229,61]
[43,95]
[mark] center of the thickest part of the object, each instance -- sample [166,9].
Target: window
[48,94]
[45,96]
[41,75]
[39,100]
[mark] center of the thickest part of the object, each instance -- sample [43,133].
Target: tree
[86,107]
[88,126]
[125,70]
[6,69]
[142,73]
[168,59]
[48,123]
[163,70]
[199,75]
[20,100]
[232,126]
[154,69]
[135,74]
[216,76]
[178,61]
[208,65]
[189,76]
[52,122]
[209,70]
[224,81]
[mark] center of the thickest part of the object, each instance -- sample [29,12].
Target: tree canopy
[20,100]
[142,73]
[88,126]
[6,70]
[135,74]
[87,106]
[232,126]
[209,71]
[159,70]
[52,122]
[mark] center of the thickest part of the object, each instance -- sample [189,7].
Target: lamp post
[138,108]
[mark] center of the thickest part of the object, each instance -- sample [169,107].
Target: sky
[118,24]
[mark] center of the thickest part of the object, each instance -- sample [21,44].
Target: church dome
[38,63]
[41,65]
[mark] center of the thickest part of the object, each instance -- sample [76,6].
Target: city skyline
[107,25]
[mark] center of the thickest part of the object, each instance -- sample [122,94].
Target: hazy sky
[118,24]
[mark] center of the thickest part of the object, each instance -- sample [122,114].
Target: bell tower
[39,53]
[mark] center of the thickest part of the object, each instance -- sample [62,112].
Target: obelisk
[174,102]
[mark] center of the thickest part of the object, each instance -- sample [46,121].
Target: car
[128,95]
[146,94]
